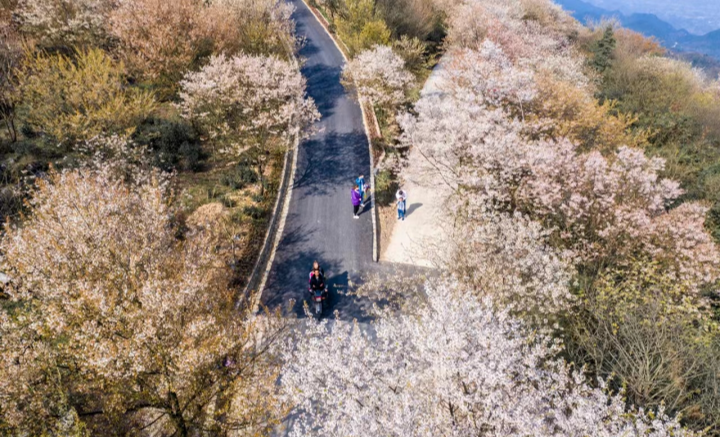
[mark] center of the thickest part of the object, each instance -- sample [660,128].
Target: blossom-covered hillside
[582,205]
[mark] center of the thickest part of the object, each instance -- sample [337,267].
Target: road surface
[320,225]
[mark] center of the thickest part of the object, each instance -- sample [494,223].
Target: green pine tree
[603,51]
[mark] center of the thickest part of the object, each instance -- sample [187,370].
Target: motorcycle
[318,298]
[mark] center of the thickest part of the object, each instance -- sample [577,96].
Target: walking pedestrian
[356,200]
[360,181]
[401,200]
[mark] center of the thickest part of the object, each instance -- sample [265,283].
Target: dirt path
[421,238]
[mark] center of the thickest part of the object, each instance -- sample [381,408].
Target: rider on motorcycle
[317,280]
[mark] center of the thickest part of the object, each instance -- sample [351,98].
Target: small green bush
[413,51]
[174,145]
[228,202]
[411,18]
[385,187]
[240,177]
[361,28]
[255,212]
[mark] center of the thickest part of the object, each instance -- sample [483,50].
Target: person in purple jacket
[356,200]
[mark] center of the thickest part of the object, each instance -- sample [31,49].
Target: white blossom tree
[508,258]
[454,367]
[379,75]
[248,102]
[603,207]
[115,323]
[65,22]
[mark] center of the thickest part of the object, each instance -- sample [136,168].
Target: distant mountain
[679,40]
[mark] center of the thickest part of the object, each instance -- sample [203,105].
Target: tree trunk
[177,416]
[10,124]
[14,135]
[261,178]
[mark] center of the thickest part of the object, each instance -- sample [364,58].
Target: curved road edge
[274,233]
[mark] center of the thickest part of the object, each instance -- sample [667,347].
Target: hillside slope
[649,25]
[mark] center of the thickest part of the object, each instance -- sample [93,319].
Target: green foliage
[386,185]
[334,7]
[10,57]
[174,145]
[361,27]
[255,212]
[603,51]
[413,52]
[78,99]
[643,328]
[412,18]
[713,221]
[241,176]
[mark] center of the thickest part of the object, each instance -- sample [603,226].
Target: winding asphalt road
[319,225]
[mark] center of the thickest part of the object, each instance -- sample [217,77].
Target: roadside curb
[324,24]
[265,259]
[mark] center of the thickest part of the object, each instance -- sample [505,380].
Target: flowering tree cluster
[508,258]
[247,101]
[603,207]
[454,367]
[379,75]
[545,177]
[117,323]
[163,41]
[65,22]
[540,46]
[158,38]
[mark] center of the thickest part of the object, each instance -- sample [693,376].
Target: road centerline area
[319,224]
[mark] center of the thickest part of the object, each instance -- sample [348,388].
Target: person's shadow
[412,208]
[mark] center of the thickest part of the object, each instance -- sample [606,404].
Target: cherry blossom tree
[538,187]
[541,47]
[10,60]
[379,74]
[161,40]
[679,239]
[490,77]
[248,102]
[453,367]
[257,26]
[116,324]
[508,258]
[158,39]
[65,23]
[602,207]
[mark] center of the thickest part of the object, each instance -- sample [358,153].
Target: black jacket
[317,282]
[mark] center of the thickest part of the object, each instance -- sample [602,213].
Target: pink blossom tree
[602,207]
[508,258]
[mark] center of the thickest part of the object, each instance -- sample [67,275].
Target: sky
[695,16]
